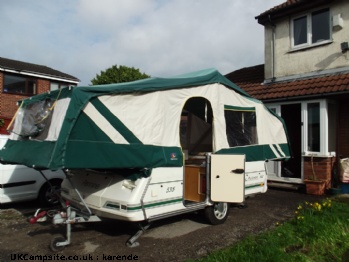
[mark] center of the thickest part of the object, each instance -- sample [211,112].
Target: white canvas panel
[271,133]
[226,96]
[17,125]
[58,116]
[154,118]
[103,124]
[142,114]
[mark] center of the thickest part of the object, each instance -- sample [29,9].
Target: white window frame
[274,169]
[57,85]
[54,86]
[324,128]
[309,30]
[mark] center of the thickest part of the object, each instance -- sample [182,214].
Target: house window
[318,126]
[321,127]
[19,85]
[240,125]
[332,112]
[56,86]
[313,117]
[311,29]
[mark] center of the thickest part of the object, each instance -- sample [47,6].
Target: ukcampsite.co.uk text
[57,257]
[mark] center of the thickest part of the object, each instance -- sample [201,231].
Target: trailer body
[153,148]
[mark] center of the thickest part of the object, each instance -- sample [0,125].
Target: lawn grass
[318,232]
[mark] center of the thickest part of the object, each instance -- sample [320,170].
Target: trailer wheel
[53,244]
[217,213]
[49,196]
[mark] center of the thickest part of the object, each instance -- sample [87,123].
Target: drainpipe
[336,180]
[273,26]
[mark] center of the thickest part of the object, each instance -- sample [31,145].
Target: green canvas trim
[86,129]
[114,121]
[239,108]
[277,150]
[107,155]
[285,149]
[256,152]
[33,153]
[99,155]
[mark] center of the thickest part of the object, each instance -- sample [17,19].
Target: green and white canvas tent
[138,124]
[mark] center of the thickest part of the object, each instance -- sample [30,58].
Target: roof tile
[251,80]
[34,68]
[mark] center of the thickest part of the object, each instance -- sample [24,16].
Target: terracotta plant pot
[315,187]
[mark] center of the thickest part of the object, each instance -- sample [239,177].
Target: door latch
[238,171]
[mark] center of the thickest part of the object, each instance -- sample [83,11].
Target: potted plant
[314,186]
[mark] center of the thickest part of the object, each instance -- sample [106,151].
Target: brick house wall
[8,102]
[322,167]
[325,168]
[343,129]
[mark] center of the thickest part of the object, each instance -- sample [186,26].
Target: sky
[161,38]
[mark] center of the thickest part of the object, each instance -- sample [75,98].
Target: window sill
[303,48]
[318,155]
[18,94]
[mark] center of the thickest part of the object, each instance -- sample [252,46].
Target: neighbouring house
[19,80]
[305,79]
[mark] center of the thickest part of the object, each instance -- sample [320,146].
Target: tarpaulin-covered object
[137,124]
[344,170]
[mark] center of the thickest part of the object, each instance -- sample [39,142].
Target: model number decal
[170,189]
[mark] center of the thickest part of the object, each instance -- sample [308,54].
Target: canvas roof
[133,125]
[202,77]
[197,78]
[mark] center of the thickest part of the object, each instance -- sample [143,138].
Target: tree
[118,74]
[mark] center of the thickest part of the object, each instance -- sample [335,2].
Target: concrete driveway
[174,239]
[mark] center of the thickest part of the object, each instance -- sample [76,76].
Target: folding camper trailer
[149,149]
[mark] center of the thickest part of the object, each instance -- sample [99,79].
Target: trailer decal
[148,205]
[112,206]
[167,182]
[155,204]
[254,186]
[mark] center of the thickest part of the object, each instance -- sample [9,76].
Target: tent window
[240,125]
[34,119]
[196,126]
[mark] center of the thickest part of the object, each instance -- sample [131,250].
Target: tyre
[49,196]
[53,244]
[217,213]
